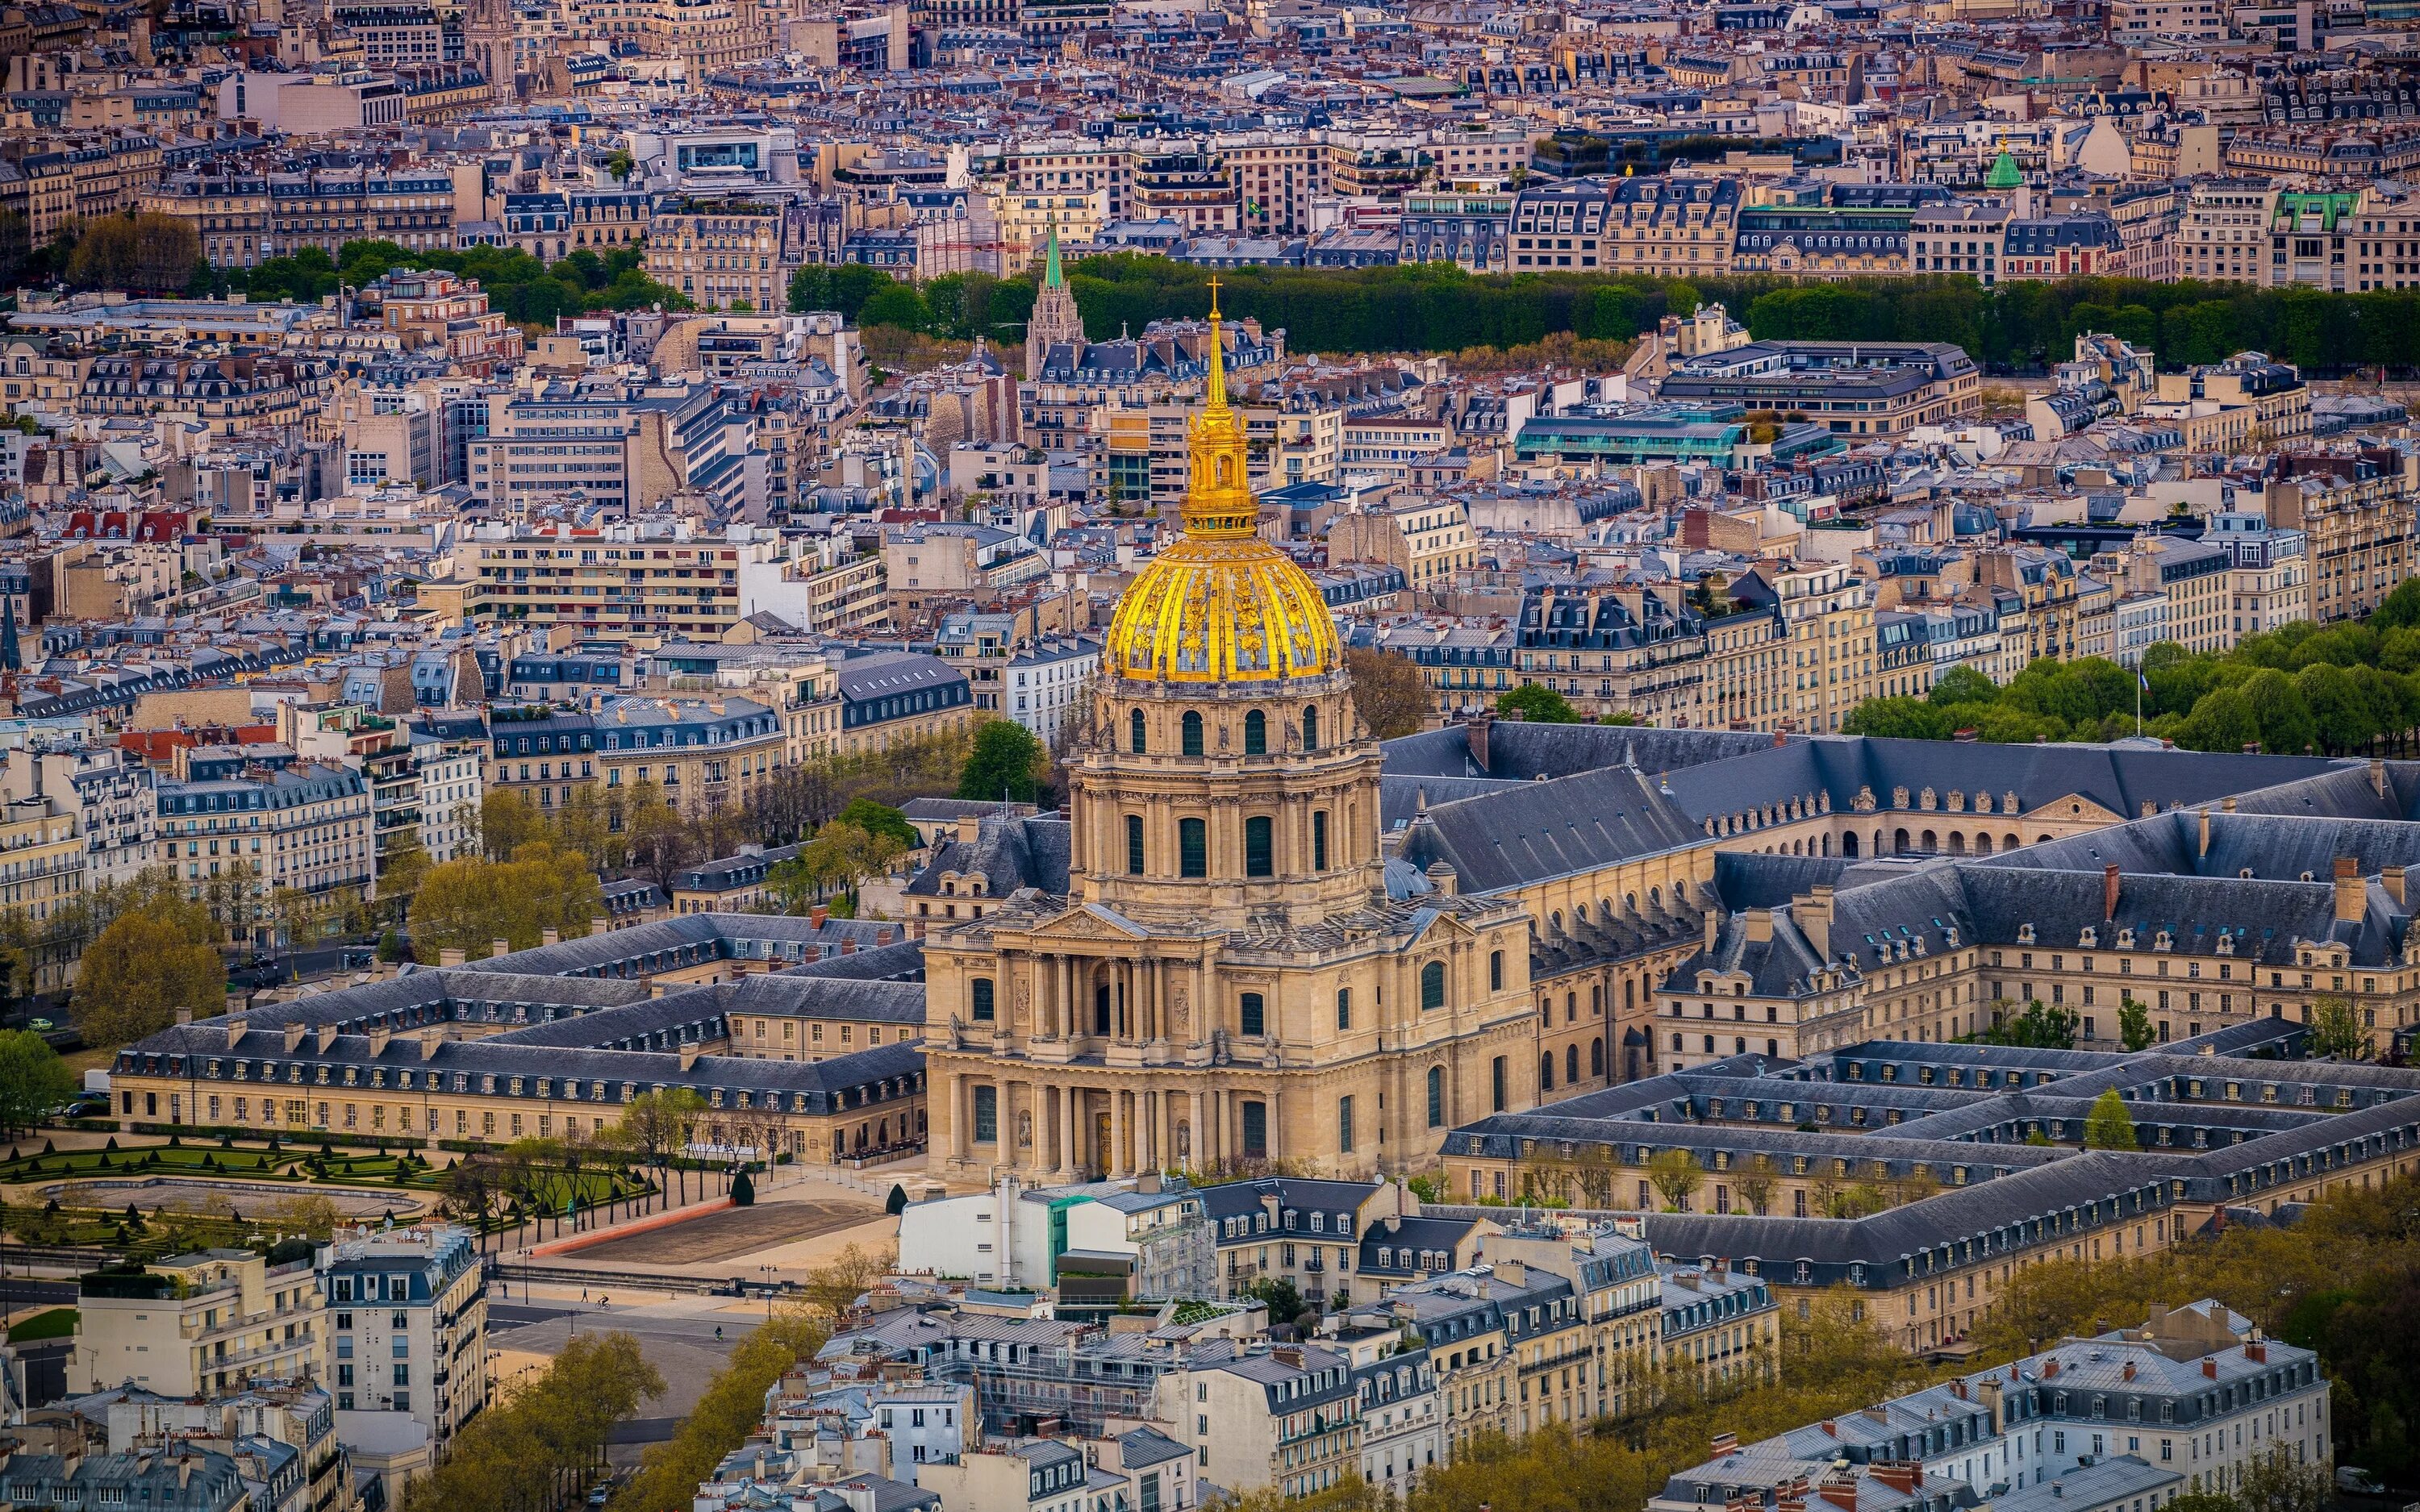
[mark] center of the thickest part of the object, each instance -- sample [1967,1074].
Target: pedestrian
[583,1295]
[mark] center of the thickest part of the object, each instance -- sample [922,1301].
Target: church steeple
[1055,321]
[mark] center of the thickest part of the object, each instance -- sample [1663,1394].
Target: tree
[619,162]
[2109,1125]
[149,254]
[33,1080]
[1538,704]
[141,970]
[540,1443]
[1006,763]
[1755,1184]
[1279,1295]
[655,1130]
[881,819]
[2336,1030]
[507,821]
[2040,1027]
[308,1214]
[2133,1022]
[843,856]
[2277,1482]
[401,870]
[1675,1174]
[1962,683]
[467,904]
[1388,692]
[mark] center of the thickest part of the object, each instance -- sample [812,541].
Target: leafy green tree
[2337,1031]
[33,1080]
[2133,1024]
[1538,704]
[143,969]
[1962,683]
[2109,1125]
[1006,763]
[2041,1026]
[1903,718]
[881,820]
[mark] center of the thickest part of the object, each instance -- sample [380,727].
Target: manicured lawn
[58,1323]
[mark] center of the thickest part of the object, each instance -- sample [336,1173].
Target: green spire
[1051,276]
[2005,174]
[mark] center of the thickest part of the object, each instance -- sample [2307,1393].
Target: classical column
[1198,1155]
[1121,1135]
[1070,1143]
[945,1138]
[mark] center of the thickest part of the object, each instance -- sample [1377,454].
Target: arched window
[1494,971]
[1571,1064]
[1345,1008]
[1436,1097]
[1433,985]
[1135,725]
[1596,1058]
[1547,1071]
[1192,734]
[1252,1015]
[1193,848]
[979,996]
[1134,845]
[1319,839]
[1256,733]
[1258,860]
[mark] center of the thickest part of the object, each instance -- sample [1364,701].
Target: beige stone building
[1228,974]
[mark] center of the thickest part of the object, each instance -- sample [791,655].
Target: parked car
[40,1026]
[2354,1481]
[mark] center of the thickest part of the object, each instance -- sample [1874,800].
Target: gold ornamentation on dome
[1220,604]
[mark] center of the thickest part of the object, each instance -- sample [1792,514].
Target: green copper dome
[2005,174]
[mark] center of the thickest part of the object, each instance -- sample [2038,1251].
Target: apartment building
[1428,538]
[1672,226]
[199,1324]
[259,812]
[723,254]
[2269,583]
[703,755]
[1259,1416]
[1276,178]
[620,580]
[2224,234]
[407,1323]
[1853,389]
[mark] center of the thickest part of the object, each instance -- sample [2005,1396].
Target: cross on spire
[1213,297]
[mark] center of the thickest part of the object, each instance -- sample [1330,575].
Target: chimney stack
[1474,733]
[549,936]
[2392,879]
[1814,914]
[2109,891]
[2352,894]
[452,956]
[1760,923]
[499,946]
[599,925]
[1713,928]
[818,915]
[235,1031]
[2205,833]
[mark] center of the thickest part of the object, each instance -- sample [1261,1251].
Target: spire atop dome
[1218,499]
[1052,276]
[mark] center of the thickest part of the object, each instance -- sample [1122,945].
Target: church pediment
[1091,921]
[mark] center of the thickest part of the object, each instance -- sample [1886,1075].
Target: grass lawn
[58,1323]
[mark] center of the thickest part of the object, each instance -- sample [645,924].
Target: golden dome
[1220,604]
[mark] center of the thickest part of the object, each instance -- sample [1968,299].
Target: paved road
[554,1322]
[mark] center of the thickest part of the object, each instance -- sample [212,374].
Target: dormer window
[2088,937]
[2024,935]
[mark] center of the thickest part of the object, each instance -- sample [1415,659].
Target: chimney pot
[2109,891]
